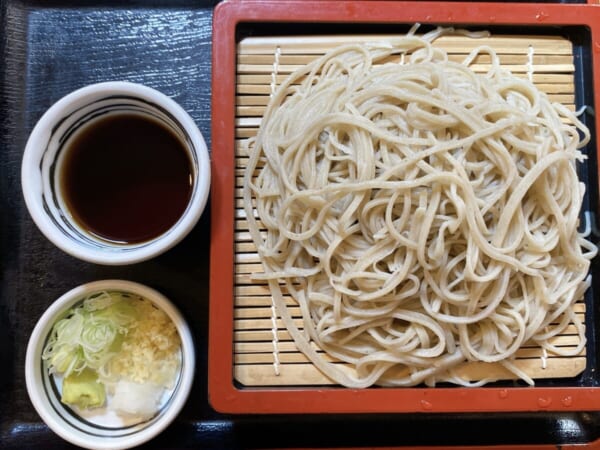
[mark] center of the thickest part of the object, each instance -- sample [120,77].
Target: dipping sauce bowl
[115,173]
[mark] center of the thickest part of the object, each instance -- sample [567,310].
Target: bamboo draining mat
[264,353]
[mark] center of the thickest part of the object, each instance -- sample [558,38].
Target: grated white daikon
[141,399]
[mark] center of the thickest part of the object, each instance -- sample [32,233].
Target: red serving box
[224,395]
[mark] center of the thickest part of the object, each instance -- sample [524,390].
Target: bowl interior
[45,152]
[103,427]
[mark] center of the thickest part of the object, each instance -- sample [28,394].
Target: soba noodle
[422,216]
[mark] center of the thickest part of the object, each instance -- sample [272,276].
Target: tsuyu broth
[126,178]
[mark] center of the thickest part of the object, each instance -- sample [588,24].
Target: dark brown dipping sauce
[126,178]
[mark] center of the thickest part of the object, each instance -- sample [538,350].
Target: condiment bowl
[100,429]
[45,153]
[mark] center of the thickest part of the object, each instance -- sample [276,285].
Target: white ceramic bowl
[48,139]
[101,430]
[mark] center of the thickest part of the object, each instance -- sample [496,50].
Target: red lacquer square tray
[231,387]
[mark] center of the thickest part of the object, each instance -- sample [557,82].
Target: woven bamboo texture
[264,353]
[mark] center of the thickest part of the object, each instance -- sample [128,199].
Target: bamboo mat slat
[505,59]
[308,375]
[287,346]
[317,45]
[477,68]
[258,333]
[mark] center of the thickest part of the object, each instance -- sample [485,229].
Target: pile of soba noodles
[422,216]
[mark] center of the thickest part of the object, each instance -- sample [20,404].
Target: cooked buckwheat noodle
[422,216]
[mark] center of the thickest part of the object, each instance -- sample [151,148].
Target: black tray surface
[48,49]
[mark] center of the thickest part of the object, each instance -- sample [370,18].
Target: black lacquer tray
[49,48]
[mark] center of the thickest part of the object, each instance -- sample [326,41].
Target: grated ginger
[150,352]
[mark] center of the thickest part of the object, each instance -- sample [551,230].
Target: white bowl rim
[33,356]
[30,185]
